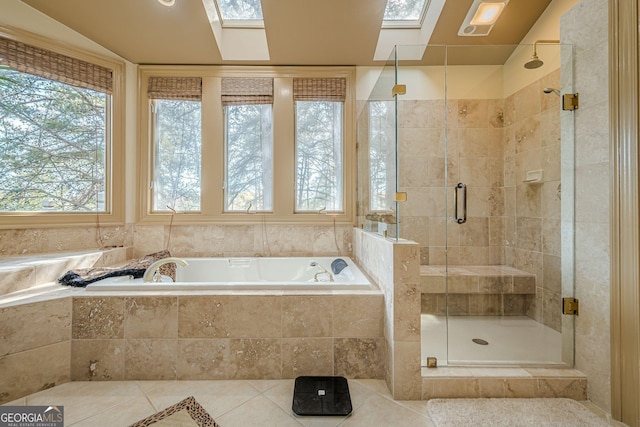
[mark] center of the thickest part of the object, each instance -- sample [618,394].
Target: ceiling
[298,32]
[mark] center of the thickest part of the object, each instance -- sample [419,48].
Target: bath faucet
[152,274]
[324,271]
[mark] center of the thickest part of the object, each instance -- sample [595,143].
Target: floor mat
[558,412]
[187,413]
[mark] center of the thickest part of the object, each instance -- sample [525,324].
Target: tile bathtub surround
[227,336]
[35,347]
[395,266]
[222,240]
[21,272]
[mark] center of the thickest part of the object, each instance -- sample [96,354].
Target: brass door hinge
[400,196]
[398,90]
[570,306]
[570,101]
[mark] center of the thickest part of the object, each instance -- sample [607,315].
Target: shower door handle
[460,219]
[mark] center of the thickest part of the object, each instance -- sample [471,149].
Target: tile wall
[194,337]
[491,145]
[586,27]
[186,240]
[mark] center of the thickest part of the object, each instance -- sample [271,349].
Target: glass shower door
[509,168]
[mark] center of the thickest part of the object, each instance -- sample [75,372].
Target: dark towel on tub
[82,277]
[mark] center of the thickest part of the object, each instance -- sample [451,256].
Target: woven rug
[512,413]
[187,413]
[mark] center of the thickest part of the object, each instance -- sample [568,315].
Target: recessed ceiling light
[167,3]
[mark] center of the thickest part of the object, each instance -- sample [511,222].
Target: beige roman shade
[185,88]
[54,66]
[246,91]
[320,89]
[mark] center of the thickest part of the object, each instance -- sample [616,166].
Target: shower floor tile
[512,340]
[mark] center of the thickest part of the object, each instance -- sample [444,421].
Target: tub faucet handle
[152,274]
[321,273]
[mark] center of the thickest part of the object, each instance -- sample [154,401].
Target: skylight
[240,13]
[404,13]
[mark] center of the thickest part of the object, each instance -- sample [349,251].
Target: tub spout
[152,274]
[324,271]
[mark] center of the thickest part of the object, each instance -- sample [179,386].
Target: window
[238,13]
[404,13]
[56,131]
[381,154]
[246,145]
[319,118]
[177,142]
[248,126]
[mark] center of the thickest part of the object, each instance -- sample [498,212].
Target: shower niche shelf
[533,177]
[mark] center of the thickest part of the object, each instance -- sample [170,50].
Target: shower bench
[489,290]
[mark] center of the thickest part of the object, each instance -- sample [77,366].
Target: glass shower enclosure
[482,150]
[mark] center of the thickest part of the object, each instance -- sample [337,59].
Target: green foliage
[52,144]
[177,155]
[318,155]
[249,157]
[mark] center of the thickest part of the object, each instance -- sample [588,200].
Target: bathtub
[257,273]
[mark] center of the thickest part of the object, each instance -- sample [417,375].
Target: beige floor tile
[121,415]
[216,397]
[83,399]
[419,406]
[264,385]
[380,411]
[148,385]
[258,411]
[378,386]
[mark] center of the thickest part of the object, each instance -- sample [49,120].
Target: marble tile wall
[227,337]
[584,27]
[20,272]
[491,144]
[186,240]
[395,266]
[474,156]
[35,348]
[530,225]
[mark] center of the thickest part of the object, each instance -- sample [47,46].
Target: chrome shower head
[551,90]
[534,62]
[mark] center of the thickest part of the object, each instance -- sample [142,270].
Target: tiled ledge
[21,273]
[469,382]
[476,290]
[483,279]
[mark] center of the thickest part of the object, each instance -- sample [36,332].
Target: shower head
[551,90]
[534,62]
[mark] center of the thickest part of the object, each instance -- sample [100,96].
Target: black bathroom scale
[321,396]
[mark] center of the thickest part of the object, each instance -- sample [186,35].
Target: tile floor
[260,403]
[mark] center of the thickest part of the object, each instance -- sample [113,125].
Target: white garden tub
[294,273]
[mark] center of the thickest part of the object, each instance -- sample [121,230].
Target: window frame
[213,146]
[114,213]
